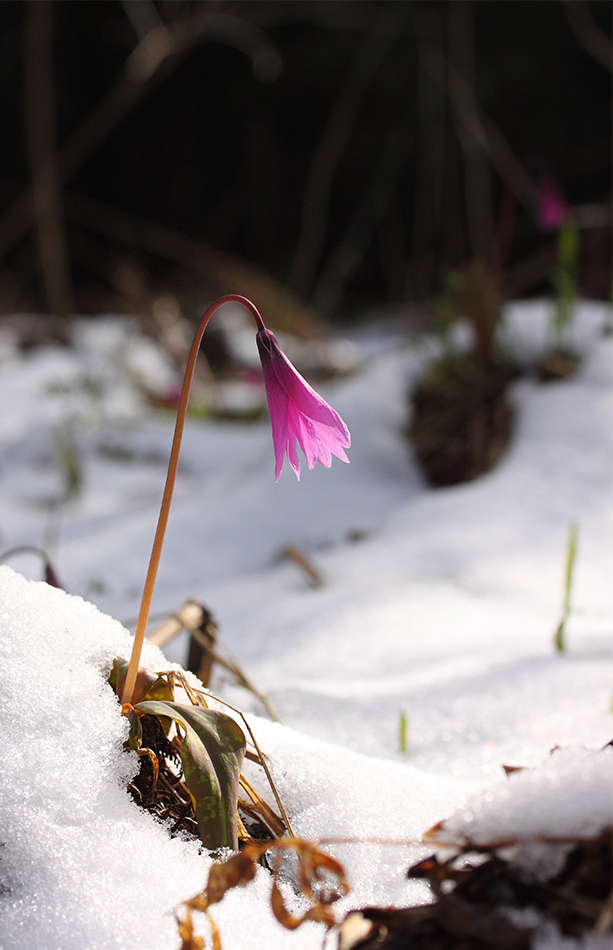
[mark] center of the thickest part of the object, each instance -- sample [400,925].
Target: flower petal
[298,413]
[292,455]
[278,408]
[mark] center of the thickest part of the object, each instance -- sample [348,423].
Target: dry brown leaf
[322,882]
[320,913]
[189,940]
[237,871]
[262,809]
[216,938]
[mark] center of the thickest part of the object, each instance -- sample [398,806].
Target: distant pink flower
[552,206]
[297,412]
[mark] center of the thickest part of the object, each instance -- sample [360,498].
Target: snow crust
[541,802]
[82,865]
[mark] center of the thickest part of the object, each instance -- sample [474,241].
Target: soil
[462,418]
[167,799]
[556,365]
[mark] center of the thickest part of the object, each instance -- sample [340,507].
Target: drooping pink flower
[552,205]
[298,413]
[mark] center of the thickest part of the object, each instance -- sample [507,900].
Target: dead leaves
[189,939]
[321,880]
[237,871]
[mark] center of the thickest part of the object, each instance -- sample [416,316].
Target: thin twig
[295,555]
[366,64]
[346,258]
[46,187]
[155,57]
[477,182]
[431,147]
[592,39]
[187,618]
[489,137]
[241,678]
[262,762]
[50,575]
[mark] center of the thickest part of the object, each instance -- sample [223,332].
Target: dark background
[351,153]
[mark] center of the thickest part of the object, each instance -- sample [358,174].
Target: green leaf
[147,686]
[212,756]
[135,739]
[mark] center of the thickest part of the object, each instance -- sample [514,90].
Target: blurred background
[324,157]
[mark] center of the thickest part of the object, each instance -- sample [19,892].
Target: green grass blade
[403,733]
[570,563]
[559,637]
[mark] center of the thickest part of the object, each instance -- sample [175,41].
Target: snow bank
[82,866]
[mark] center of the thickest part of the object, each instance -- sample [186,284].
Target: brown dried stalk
[173,464]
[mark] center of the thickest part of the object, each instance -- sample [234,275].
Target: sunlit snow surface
[441,604]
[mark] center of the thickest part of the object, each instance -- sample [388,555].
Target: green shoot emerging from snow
[571,550]
[403,733]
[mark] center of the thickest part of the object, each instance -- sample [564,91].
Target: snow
[438,604]
[521,808]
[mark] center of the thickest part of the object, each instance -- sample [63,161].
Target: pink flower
[298,413]
[552,206]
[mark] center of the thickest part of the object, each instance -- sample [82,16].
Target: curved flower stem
[158,540]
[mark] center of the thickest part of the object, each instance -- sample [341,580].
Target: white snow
[511,810]
[439,604]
